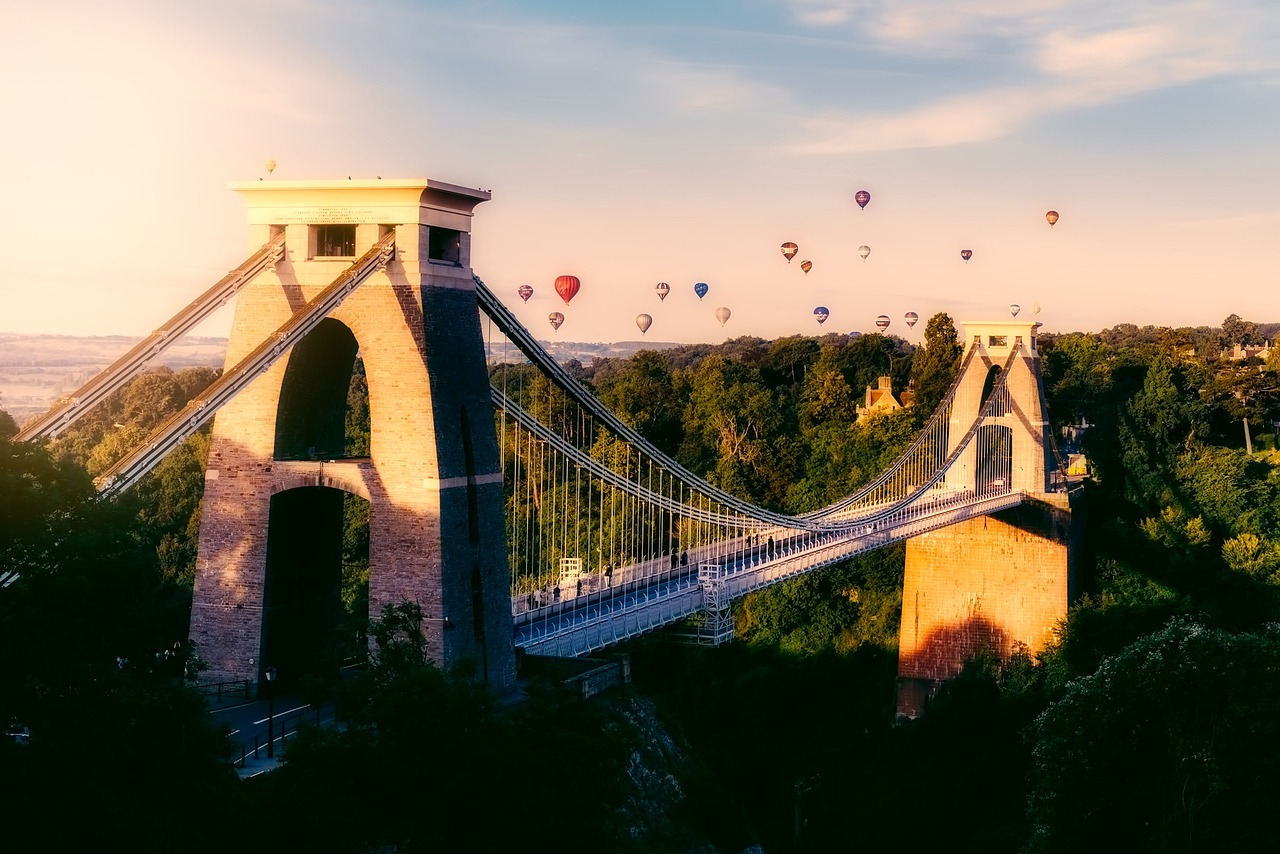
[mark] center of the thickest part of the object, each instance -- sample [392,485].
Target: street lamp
[271,713]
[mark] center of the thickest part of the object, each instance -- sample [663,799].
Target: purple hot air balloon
[966,254]
[525,292]
[862,197]
[821,314]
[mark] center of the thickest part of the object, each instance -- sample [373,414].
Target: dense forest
[1146,726]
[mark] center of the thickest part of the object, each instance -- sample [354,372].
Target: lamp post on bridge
[271,712]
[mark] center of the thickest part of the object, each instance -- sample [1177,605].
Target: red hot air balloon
[556,319]
[862,197]
[662,289]
[789,250]
[567,287]
[1052,216]
[910,317]
[882,322]
[525,292]
[966,254]
[806,266]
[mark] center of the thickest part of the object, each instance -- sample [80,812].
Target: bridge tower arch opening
[278,458]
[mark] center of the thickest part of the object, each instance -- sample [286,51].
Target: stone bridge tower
[271,530]
[997,583]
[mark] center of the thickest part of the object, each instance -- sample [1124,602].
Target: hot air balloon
[864,250]
[789,250]
[556,319]
[644,321]
[701,289]
[525,291]
[883,322]
[567,287]
[862,197]
[1035,308]
[910,317]
[1014,309]
[270,166]
[806,266]
[1052,216]
[821,314]
[966,254]
[663,289]
[722,315]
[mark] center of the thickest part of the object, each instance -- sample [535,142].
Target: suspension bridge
[503,497]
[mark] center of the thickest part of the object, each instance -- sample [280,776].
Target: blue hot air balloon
[701,289]
[821,314]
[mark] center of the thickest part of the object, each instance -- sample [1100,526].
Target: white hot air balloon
[723,314]
[270,166]
[644,321]
[1035,308]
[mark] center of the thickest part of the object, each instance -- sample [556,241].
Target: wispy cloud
[1120,51]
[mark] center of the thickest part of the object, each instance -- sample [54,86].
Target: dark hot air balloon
[864,251]
[966,254]
[821,314]
[525,291]
[556,319]
[701,289]
[806,266]
[1014,309]
[910,317]
[722,315]
[567,287]
[862,197]
[663,289]
[644,321]
[789,250]
[882,322]
[1052,216]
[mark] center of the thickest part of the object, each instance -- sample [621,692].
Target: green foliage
[8,427]
[934,368]
[1170,745]
[93,637]
[839,609]
[425,755]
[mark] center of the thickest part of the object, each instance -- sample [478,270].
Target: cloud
[1122,51]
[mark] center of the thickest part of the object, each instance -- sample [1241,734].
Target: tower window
[334,241]
[444,246]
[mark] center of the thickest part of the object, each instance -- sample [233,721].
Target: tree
[1170,745]
[94,641]
[934,369]
[8,427]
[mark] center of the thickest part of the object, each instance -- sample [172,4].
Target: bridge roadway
[653,594]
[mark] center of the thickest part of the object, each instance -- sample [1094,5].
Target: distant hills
[35,370]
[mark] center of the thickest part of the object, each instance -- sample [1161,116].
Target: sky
[681,142]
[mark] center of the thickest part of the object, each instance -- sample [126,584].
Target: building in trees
[880,399]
